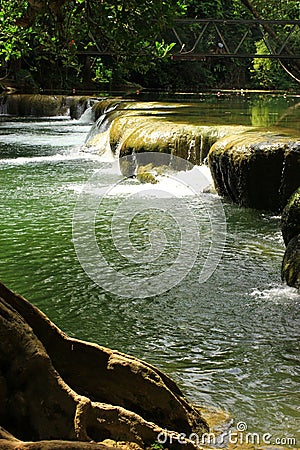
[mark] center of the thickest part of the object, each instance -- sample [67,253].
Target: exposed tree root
[56,388]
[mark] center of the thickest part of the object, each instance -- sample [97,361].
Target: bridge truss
[198,39]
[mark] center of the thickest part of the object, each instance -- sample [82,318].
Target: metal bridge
[199,39]
[230,38]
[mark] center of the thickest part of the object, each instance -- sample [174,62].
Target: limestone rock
[290,221]
[290,271]
[256,169]
[37,105]
[137,134]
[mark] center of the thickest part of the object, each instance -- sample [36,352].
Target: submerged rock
[256,169]
[290,270]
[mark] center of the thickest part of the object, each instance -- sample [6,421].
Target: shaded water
[232,342]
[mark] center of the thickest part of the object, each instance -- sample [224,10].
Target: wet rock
[291,173]
[256,169]
[37,105]
[146,174]
[290,270]
[79,105]
[132,133]
[137,127]
[105,105]
[290,226]
[290,221]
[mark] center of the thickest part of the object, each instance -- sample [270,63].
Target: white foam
[67,156]
[281,292]
[181,184]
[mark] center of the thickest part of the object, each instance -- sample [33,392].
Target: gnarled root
[55,388]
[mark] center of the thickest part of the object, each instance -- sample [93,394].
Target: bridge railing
[235,38]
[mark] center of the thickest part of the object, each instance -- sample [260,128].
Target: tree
[55,388]
[57,33]
[53,41]
[268,72]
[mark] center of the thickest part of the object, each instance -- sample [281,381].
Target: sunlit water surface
[232,342]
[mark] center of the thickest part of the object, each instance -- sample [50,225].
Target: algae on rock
[290,270]
[290,221]
[250,169]
[290,227]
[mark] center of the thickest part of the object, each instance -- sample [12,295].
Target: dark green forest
[51,45]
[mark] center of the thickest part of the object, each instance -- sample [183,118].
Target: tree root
[56,388]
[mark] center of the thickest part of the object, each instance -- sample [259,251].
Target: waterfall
[88,116]
[98,139]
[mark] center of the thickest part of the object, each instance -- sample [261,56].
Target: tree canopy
[48,42]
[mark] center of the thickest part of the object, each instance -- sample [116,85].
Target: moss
[146,177]
[290,221]
[147,131]
[290,270]
[146,174]
[35,105]
[248,168]
[104,105]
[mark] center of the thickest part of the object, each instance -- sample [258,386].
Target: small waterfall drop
[87,117]
[98,139]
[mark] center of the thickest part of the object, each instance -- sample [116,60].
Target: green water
[227,109]
[231,342]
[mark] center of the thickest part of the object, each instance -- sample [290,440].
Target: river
[230,342]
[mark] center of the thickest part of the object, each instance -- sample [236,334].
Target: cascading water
[231,341]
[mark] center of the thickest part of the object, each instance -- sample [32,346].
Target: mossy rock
[290,270]
[146,177]
[290,222]
[250,169]
[146,174]
[36,105]
[104,105]
[78,106]
[291,173]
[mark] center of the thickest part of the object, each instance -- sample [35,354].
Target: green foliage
[274,9]
[138,36]
[267,72]
[14,41]
[102,73]
[162,49]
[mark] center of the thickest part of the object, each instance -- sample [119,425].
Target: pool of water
[231,341]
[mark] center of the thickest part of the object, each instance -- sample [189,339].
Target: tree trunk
[56,388]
